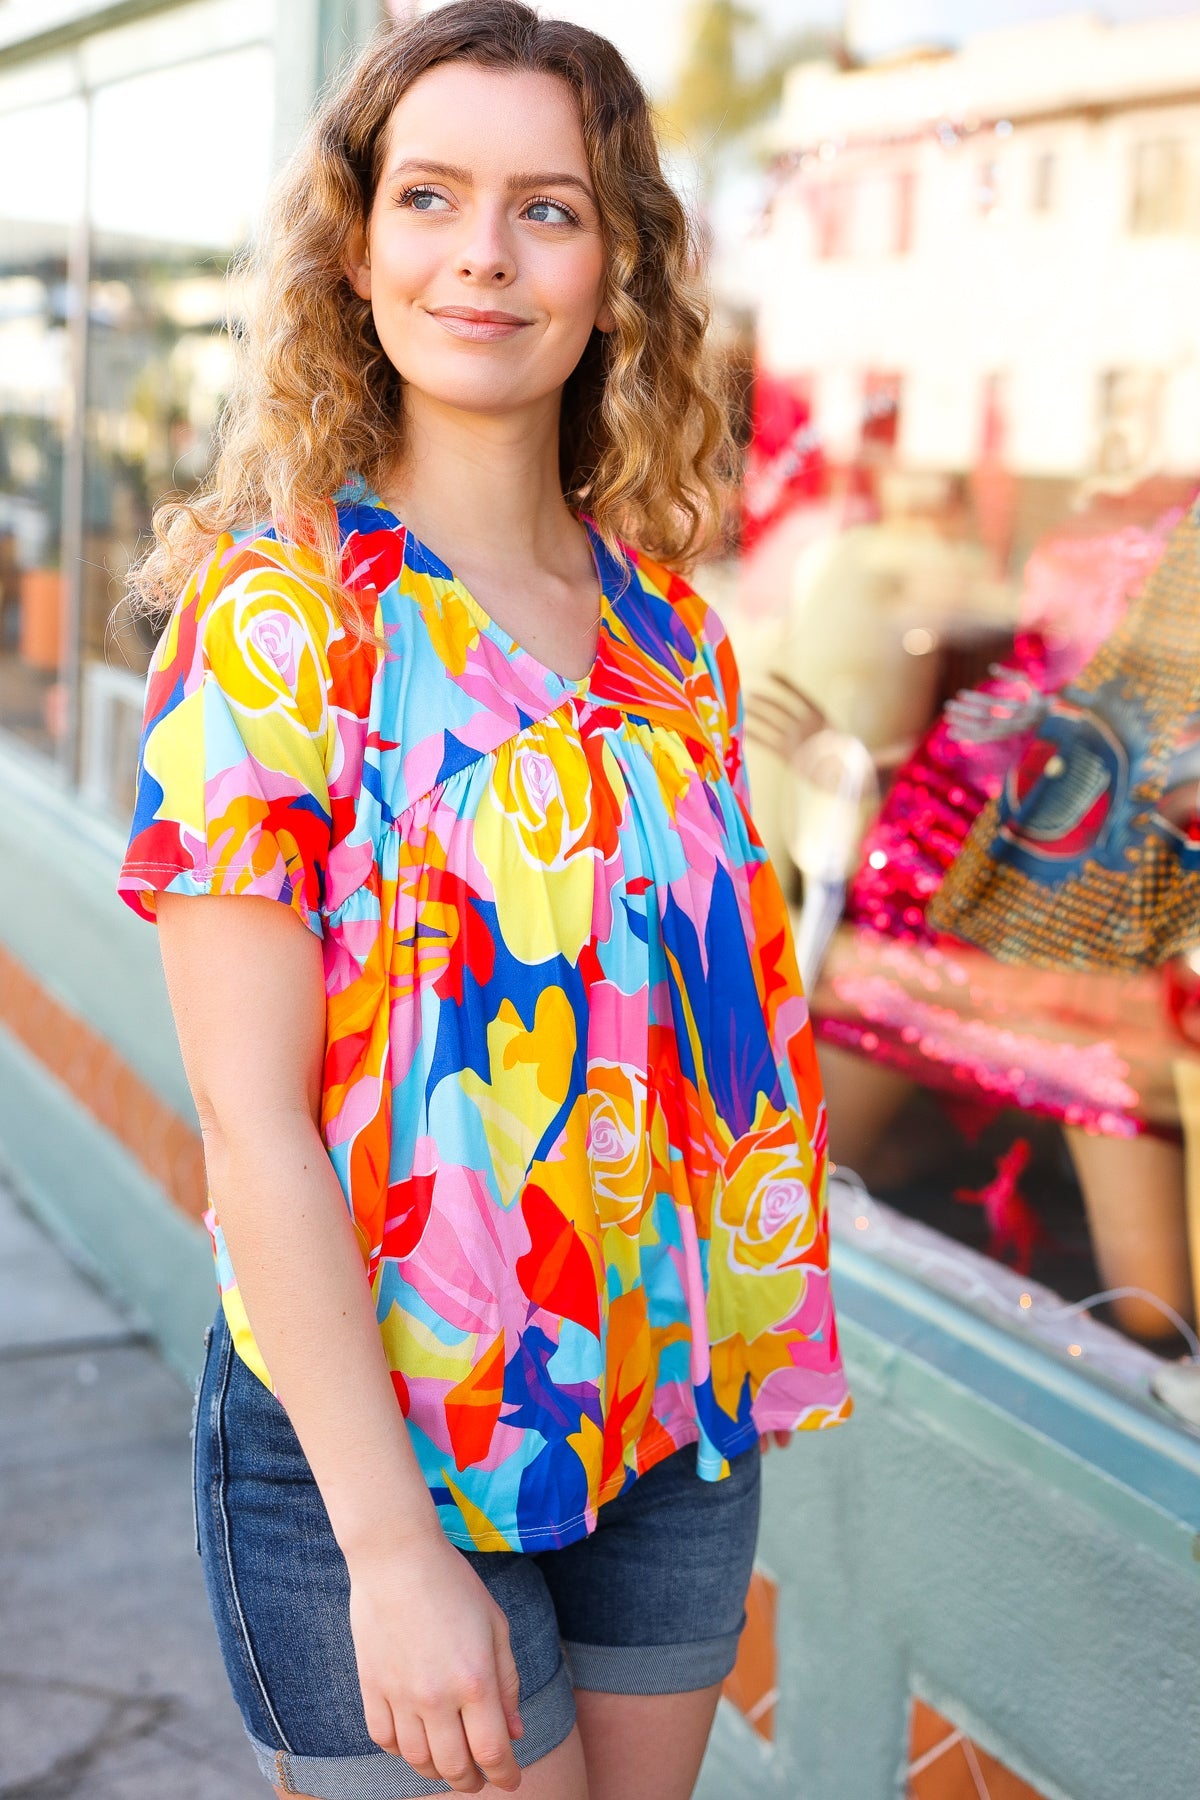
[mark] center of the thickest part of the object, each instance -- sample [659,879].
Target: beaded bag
[1090,857]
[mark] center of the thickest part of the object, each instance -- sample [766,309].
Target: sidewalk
[110,1683]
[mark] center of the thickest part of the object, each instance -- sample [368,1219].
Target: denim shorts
[651,1603]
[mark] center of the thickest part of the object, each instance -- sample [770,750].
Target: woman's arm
[247,990]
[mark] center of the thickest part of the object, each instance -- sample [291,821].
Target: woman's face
[483,258]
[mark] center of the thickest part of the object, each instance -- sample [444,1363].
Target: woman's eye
[423,200]
[550,212]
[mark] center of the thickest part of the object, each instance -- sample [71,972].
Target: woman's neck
[480,489]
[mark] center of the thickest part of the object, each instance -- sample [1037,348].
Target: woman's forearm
[304,1285]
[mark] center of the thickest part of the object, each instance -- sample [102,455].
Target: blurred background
[954,253]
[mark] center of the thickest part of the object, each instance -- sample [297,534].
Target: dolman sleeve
[232,783]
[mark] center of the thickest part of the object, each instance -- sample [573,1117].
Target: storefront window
[124,197]
[968,616]
[159,354]
[41,190]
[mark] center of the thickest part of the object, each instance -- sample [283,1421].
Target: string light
[1079,1307]
[1074,1309]
[948,133]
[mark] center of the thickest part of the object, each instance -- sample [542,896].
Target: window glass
[41,198]
[1162,198]
[967,611]
[1045,181]
[159,354]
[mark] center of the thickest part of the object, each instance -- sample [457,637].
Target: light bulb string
[1070,1309]
[1073,1309]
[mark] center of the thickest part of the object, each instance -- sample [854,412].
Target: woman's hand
[781,1439]
[439,1683]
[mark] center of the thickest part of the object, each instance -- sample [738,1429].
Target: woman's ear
[606,319]
[358,264]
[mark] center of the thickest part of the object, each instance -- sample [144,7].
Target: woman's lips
[483,327]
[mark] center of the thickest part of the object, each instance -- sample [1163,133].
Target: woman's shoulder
[256,607]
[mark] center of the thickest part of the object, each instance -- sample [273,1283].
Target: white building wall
[1052,301]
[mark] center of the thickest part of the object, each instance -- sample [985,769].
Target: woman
[517,1152]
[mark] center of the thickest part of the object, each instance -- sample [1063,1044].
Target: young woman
[514,1134]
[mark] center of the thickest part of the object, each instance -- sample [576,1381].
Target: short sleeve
[232,782]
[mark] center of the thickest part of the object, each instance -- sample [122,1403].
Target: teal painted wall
[61,918]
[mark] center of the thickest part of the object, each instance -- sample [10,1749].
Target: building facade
[992,254]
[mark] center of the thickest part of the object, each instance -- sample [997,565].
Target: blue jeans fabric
[651,1603]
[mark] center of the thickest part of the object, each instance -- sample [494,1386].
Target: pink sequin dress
[1090,1049]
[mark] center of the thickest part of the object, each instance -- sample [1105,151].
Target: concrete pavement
[110,1683]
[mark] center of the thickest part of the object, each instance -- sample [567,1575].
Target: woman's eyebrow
[552,179]
[412,165]
[453,172]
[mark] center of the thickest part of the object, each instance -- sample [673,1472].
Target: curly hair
[643,433]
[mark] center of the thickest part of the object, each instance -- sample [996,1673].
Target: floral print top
[570,1090]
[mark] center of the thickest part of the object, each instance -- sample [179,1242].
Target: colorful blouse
[570,1090]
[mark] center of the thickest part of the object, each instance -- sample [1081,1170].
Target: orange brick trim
[753,1686]
[105,1085]
[945,1764]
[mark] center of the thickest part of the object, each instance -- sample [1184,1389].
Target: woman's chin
[478,396]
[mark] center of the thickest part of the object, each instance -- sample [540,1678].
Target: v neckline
[358,490]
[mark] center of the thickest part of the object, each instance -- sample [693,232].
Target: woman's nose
[486,253]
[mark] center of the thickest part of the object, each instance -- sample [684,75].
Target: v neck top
[570,1091]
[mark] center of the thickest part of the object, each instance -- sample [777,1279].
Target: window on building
[987,187]
[880,414]
[1045,182]
[832,208]
[1130,416]
[1161,200]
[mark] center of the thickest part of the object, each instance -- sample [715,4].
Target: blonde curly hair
[643,434]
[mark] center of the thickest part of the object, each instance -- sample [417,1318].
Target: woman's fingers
[510,1681]
[486,1730]
[413,1746]
[381,1726]
[780,1438]
[451,1753]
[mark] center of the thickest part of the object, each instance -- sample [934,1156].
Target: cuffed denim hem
[652,1668]
[547,1717]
